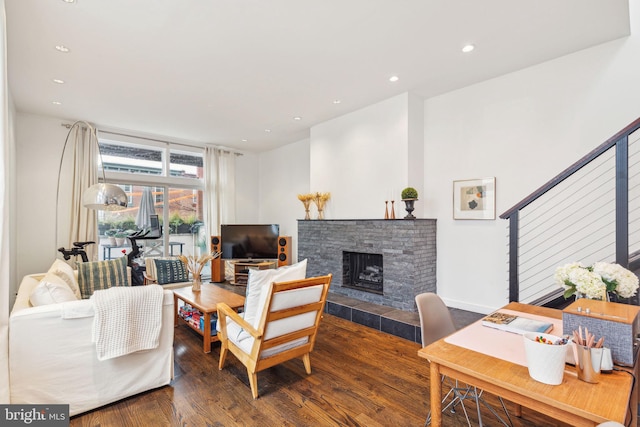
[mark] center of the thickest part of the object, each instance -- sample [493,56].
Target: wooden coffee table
[205,301]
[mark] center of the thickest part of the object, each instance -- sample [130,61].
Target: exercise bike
[76,250]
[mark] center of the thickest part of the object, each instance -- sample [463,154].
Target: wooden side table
[205,301]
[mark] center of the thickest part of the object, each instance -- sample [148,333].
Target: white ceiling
[220,71]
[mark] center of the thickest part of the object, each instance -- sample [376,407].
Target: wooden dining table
[576,402]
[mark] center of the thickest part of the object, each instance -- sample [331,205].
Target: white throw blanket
[127,319]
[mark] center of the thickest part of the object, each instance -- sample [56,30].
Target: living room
[522,128]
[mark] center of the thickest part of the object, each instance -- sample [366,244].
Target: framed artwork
[474,199]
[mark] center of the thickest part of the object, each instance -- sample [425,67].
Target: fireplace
[362,271]
[408,248]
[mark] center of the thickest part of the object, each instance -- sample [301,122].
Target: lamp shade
[105,197]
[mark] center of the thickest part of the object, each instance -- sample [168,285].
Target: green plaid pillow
[93,276]
[170,271]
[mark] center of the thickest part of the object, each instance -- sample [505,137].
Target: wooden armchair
[285,328]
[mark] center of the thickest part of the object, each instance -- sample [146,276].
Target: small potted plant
[111,235]
[120,236]
[409,195]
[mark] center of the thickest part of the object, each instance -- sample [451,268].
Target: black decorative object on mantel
[409,196]
[408,206]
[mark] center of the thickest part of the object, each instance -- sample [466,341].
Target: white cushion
[245,341]
[290,324]
[51,290]
[288,299]
[233,329]
[263,278]
[66,273]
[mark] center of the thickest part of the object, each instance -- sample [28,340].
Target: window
[131,158]
[128,190]
[159,195]
[185,164]
[161,178]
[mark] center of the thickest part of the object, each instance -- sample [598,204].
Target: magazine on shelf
[516,324]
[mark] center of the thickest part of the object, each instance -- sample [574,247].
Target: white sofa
[53,361]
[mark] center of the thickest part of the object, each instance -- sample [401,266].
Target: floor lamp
[100,196]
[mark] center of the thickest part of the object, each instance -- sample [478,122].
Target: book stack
[195,318]
[192,316]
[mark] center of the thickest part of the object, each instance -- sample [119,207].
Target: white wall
[39,145]
[415,152]
[284,173]
[523,128]
[362,159]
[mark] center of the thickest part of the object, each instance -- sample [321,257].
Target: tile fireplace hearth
[399,257]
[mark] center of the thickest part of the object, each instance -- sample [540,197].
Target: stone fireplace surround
[408,248]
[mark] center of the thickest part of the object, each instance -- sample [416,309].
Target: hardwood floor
[360,377]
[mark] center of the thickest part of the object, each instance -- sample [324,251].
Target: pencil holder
[588,362]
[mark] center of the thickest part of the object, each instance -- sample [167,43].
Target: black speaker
[284,250]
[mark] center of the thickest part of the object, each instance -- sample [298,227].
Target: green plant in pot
[409,195]
[111,235]
[120,236]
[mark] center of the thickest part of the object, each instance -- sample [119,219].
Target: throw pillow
[66,273]
[150,266]
[96,275]
[170,271]
[261,278]
[51,290]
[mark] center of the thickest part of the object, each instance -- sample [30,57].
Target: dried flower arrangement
[195,264]
[320,199]
[306,201]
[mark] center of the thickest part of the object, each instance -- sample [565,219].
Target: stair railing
[582,214]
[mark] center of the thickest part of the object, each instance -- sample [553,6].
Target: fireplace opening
[362,271]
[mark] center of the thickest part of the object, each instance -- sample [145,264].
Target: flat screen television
[249,241]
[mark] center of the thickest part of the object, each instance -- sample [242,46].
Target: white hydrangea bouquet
[596,281]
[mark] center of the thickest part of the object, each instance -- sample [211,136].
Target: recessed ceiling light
[69,1]
[468,48]
[61,48]
[56,103]
[297,118]
[244,140]
[267,130]
[337,101]
[60,82]
[394,78]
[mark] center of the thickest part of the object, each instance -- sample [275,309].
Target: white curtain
[5,179]
[220,188]
[76,222]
